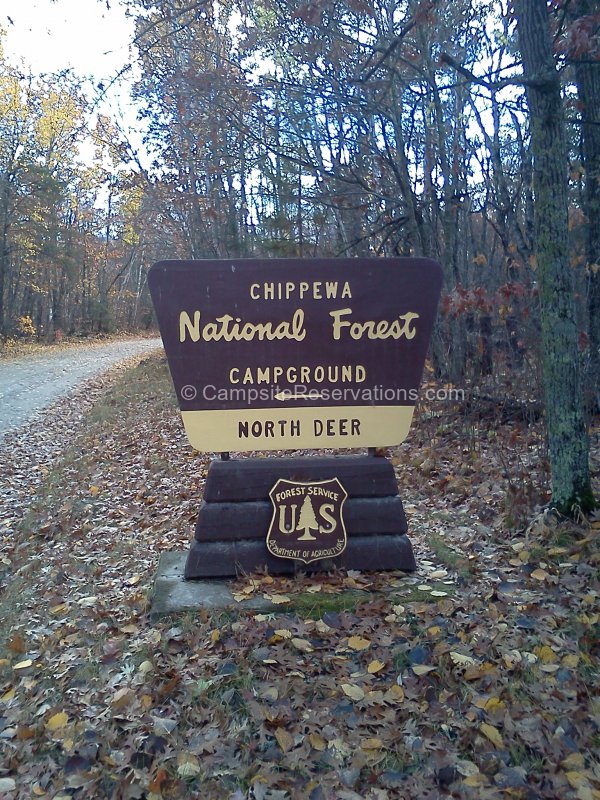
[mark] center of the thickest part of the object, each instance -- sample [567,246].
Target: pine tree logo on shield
[307,522]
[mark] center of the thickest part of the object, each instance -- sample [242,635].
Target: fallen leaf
[122,698]
[23,664]
[16,644]
[278,599]
[359,643]
[476,781]
[395,694]
[371,744]
[285,740]
[8,695]
[461,660]
[540,574]
[160,777]
[188,768]
[466,768]
[493,734]
[375,666]
[57,721]
[303,645]
[422,669]
[353,691]
[317,742]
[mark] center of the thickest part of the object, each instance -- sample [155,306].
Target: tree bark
[567,434]
[587,77]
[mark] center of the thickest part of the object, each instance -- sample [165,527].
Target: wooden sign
[307,524]
[296,353]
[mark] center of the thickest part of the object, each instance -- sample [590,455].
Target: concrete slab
[172,594]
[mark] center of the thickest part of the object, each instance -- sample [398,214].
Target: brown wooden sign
[296,353]
[307,524]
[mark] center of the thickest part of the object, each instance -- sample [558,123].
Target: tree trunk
[587,75]
[567,435]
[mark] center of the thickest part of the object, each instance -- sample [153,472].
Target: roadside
[476,677]
[15,348]
[31,382]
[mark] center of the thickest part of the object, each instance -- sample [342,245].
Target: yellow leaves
[94,490]
[60,608]
[278,599]
[353,691]
[540,574]
[303,645]
[476,781]
[573,761]
[422,669]
[359,643]
[571,661]
[395,694]
[23,664]
[57,721]
[493,734]
[494,705]
[285,740]
[145,667]
[545,654]
[375,666]
[317,742]
[577,780]
[372,743]
[8,695]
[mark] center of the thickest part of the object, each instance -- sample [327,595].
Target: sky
[81,34]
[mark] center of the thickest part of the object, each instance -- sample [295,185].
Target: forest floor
[476,677]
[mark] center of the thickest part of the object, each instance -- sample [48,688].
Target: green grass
[311,606]
[451,558]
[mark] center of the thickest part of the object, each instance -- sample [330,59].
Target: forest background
[292,128]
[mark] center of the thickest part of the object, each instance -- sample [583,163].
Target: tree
[567,435]
[307,521]
[582,47]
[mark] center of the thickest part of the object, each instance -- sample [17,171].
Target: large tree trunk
[587,75]
[567,435]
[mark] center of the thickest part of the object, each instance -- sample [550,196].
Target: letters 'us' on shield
[307,522]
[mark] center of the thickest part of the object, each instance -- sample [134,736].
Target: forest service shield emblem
[307,522]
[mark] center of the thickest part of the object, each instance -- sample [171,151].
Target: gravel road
[30,383]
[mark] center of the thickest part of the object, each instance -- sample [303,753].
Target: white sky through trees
[84,36]
[81,34]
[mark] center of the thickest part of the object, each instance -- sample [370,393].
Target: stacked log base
[236,512]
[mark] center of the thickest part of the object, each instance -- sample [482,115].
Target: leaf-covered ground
[475,678]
